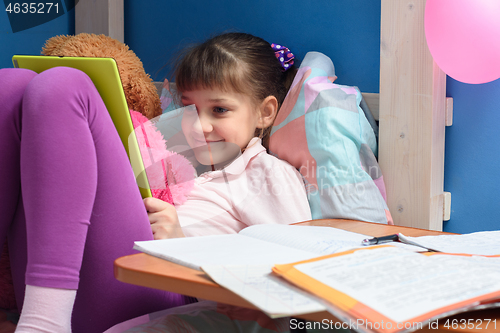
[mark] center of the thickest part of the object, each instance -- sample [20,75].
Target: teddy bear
[140,91]
[171,176]
[144,104]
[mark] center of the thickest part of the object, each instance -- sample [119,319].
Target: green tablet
[104,74]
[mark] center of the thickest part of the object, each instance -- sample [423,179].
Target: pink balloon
[464,38]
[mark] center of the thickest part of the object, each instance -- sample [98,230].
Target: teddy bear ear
[54,44]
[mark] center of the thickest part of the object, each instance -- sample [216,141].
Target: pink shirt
[256,188]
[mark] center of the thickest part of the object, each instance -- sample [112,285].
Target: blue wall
[30,41]
[472,157]
[347,31]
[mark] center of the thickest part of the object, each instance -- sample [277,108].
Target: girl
[237,83]
[62,166]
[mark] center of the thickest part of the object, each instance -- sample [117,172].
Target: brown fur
[139,89]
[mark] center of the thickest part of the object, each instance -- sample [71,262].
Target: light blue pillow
[322,130]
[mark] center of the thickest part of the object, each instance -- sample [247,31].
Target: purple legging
[69,204]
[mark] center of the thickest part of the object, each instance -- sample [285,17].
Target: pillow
[166,97]
[322,130]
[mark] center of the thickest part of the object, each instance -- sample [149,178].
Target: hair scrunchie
[284,55]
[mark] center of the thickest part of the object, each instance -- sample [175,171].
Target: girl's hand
[163,219]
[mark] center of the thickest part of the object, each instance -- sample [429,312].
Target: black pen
[380,240]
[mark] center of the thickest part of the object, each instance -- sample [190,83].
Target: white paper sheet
[259,244]
[481,243]
[268,292]
[232,249]
[403,285]
[320,240]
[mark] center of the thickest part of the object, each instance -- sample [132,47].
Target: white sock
[46,310]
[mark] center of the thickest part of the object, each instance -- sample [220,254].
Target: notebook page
[271,294]
[230,249]
[403,285]
[320,240]
[268,292]
[481,243]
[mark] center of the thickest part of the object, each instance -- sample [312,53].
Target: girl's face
[225,121]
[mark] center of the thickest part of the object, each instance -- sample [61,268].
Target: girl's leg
[13,83]
[82,206]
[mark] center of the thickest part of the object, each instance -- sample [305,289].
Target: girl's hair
[236,62]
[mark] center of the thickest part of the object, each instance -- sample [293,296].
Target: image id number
[32,8]
[477,324]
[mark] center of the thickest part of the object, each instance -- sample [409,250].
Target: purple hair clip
[284,55]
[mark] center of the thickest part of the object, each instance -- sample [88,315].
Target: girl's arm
[163,219]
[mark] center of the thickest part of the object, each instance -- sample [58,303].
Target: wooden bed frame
[411,107]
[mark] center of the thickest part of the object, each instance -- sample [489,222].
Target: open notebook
[387,290]
[104,74]
[243,262]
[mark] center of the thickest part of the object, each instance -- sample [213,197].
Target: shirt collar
[239,165]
